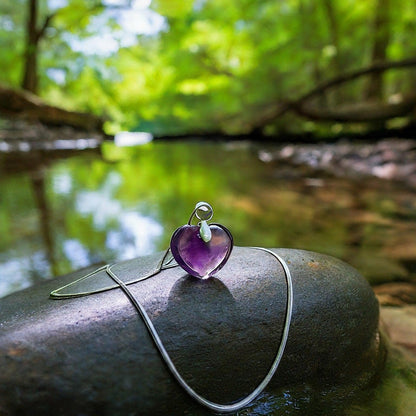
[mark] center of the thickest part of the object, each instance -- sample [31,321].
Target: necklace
[183,238]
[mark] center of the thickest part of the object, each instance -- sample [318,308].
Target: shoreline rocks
[398,315]
[390,159]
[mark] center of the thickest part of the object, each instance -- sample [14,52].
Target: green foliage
[173,8]
[11,41]
[217,65]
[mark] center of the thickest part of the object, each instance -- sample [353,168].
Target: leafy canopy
[207,65]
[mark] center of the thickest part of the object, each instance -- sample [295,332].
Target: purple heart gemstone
[195,256]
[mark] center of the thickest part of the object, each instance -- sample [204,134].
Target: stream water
[63,210]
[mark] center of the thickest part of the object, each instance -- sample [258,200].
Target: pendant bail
[203,211]
[205,231]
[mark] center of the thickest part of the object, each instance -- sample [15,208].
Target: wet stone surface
[93,354]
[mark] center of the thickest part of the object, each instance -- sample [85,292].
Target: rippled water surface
[61,211]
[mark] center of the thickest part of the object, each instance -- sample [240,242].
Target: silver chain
[223,408]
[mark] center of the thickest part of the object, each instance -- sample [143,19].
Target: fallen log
[358,113]
[93,354]
[29,106]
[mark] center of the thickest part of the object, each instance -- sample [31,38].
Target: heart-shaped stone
[197,257]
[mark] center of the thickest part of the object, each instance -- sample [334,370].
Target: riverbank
[392,159]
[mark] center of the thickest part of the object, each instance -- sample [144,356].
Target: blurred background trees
[231,66]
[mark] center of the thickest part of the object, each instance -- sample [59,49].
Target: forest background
[170,67]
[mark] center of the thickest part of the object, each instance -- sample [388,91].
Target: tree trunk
[307,30]
[329,6]
[30,75]
[379,51]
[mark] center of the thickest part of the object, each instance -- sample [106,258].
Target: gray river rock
[93,355]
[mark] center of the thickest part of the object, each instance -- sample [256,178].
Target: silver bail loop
[203,211]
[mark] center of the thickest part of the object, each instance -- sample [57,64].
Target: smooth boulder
[93,354]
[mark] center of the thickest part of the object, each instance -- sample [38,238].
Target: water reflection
[61,211]
[27,247]
[127,138]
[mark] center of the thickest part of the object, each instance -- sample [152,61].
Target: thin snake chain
[222,408]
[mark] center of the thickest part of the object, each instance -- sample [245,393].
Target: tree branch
[46,23]
[377,68]
[276,110]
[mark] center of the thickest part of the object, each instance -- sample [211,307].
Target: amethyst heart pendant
[203,249]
